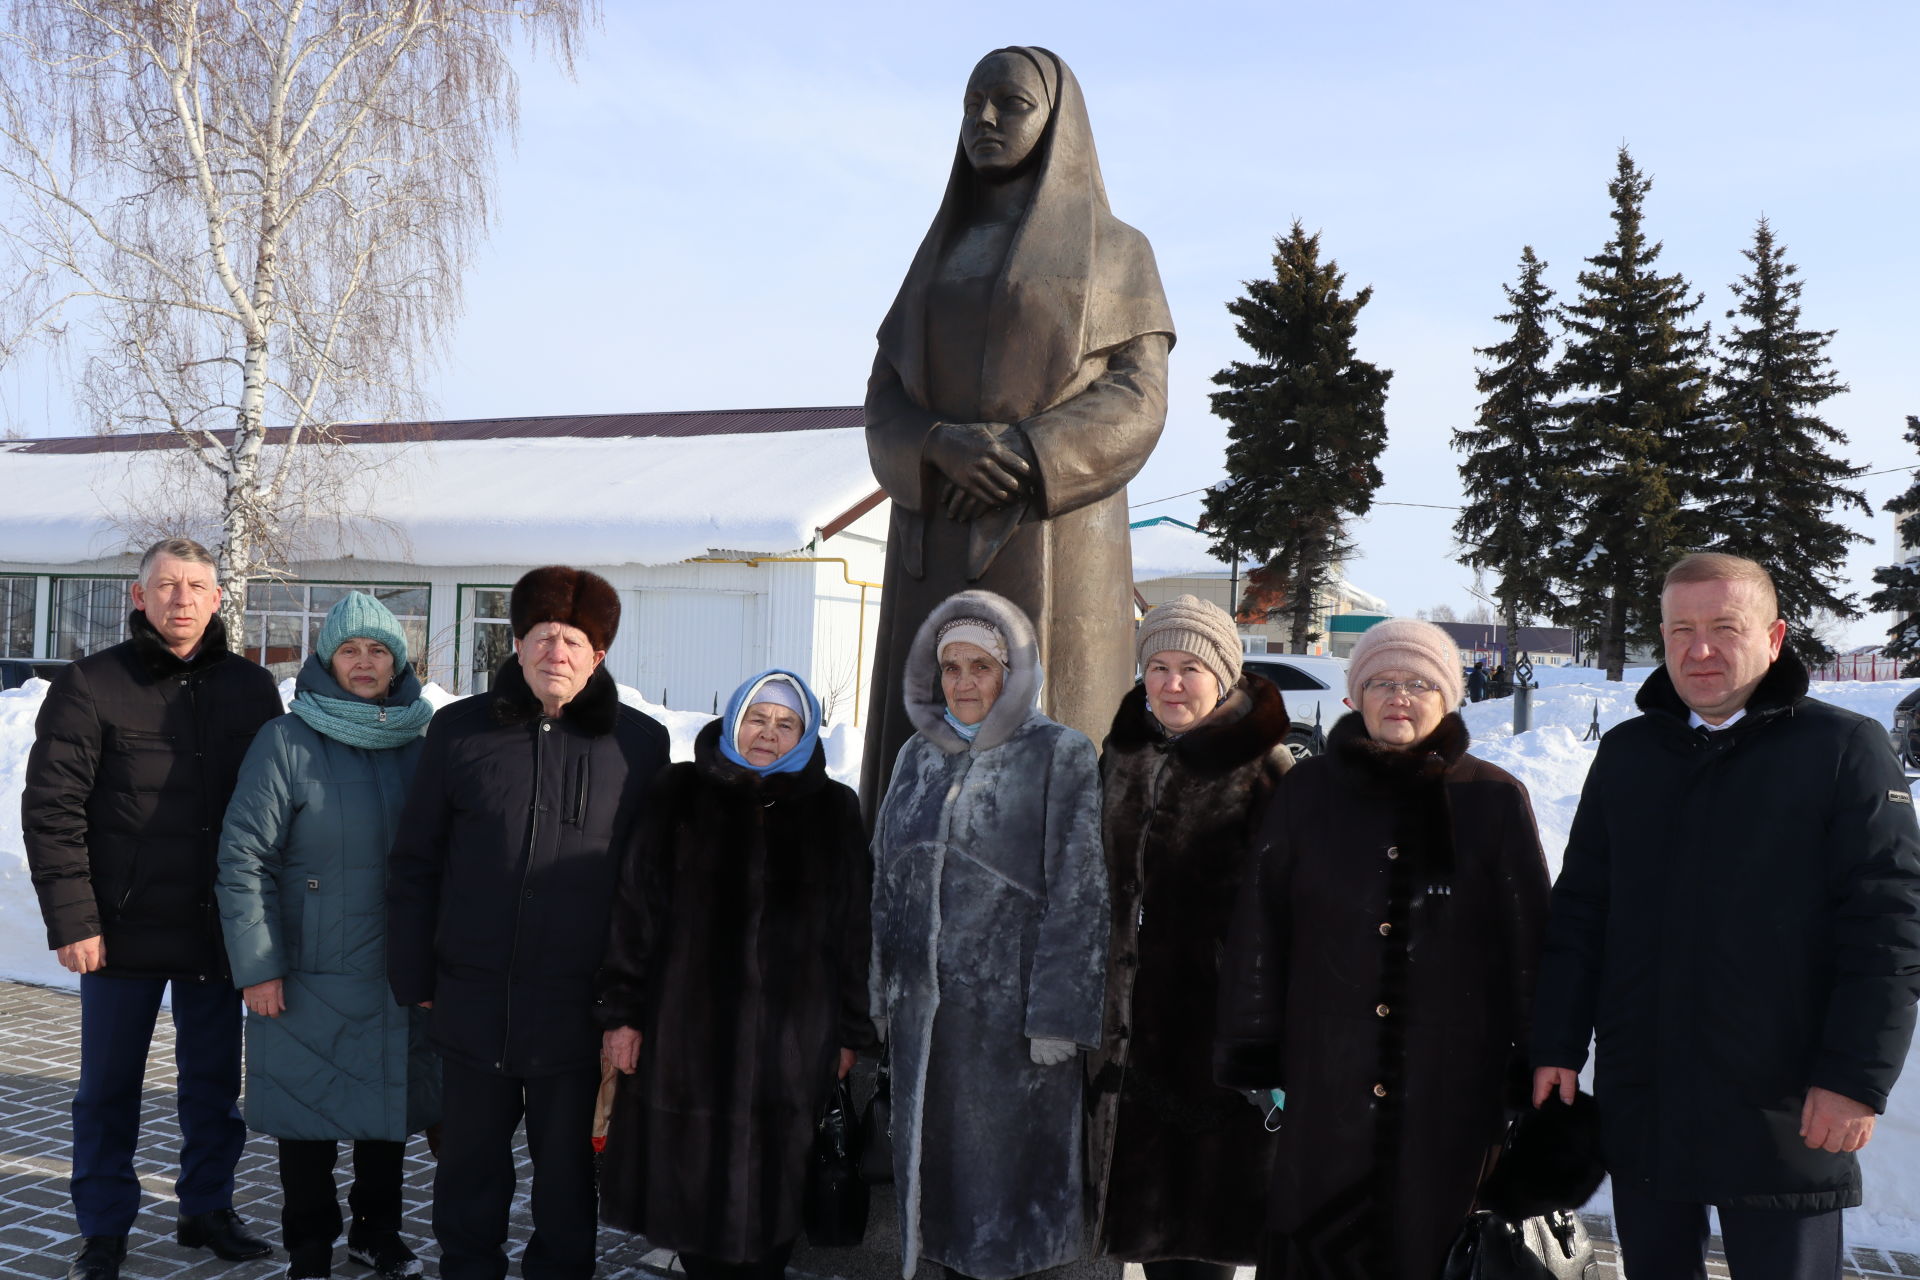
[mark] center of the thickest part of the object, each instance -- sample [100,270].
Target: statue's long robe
[1063,338]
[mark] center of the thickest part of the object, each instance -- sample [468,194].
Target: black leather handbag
[1553,1246]
[834,1209]
[876,1125]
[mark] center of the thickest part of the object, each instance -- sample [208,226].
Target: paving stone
[40,1062]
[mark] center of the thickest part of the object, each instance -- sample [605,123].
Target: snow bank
[1552,761]
[23,937]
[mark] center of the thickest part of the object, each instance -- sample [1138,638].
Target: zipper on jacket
[580,776]
[526,875]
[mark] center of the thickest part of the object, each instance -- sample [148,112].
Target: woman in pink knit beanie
[1398,1073]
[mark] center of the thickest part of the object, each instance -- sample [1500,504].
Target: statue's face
[1005,114]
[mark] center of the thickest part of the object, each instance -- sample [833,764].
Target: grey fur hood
[1019,699]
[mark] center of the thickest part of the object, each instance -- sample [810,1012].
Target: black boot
[99,1258]
[221,1231]
[383,1249]
[311,1263]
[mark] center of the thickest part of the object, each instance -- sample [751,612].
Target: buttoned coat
[990,922]
[303,898]
[1179,1163]
[134,756]
[1737,920]
[1381,970]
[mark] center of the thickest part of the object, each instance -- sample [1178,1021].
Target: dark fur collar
[1247,725]
[161,662]
[1428,759]
[777,786]
[594,710]
[1785,684]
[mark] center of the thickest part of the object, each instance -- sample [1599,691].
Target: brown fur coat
[1178,1164]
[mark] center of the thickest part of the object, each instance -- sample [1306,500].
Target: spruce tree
[1306,425]
[1779,483]
[1515,508]
[1899,592]
[1636,438]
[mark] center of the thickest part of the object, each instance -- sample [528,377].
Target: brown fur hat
[559,593]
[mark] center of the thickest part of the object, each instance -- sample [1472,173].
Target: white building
[1172,558]
[737,540]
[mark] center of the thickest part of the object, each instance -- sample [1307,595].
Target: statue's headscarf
[1076,279]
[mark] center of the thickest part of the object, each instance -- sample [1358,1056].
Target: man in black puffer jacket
[1738,920]
[499,893]
[134,757]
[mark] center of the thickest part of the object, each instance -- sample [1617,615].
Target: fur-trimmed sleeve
[1067,991]
[1248,1040]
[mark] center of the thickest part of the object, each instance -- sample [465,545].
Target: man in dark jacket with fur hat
[1738,918]
[498,896]
[134,758]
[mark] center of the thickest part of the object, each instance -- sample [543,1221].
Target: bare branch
[252,213]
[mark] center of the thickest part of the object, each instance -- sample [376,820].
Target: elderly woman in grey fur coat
[990,924]
[1179,1162]
[1380,970]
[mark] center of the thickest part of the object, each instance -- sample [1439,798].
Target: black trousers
[473,1187]
[771,1267]
[310,1203]
[1667,1240]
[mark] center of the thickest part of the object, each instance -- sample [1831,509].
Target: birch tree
[249,219]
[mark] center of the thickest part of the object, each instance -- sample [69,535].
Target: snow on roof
[1168,548]
[517,501]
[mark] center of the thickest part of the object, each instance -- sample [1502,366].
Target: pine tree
[1899,592]
[1515,508]
[1306,425]
[1636,438]
[1779,483]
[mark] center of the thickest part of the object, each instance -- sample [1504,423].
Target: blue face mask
[960,727]
[802,752]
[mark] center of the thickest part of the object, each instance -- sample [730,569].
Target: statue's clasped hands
[983,469]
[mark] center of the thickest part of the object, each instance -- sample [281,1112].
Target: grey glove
[1051,1053]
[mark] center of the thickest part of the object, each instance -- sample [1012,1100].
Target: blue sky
[717,210]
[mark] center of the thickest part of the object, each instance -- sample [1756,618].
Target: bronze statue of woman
[1021,382]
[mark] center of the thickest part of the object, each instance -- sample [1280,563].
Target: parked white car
[1311,686]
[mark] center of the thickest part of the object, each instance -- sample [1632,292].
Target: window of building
[89,614]
[488,634]
[284,619]
[17,598]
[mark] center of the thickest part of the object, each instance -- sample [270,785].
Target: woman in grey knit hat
[1179,1163]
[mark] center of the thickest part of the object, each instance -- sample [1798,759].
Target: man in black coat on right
[1737,922]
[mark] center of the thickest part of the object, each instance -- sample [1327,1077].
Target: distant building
[737,541]
[1487,642]
[1173,558]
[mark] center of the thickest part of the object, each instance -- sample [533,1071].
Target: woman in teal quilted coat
[302,889]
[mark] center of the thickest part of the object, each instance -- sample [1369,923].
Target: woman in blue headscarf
[734,990]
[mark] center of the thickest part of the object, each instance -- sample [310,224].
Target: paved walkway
[40,1061]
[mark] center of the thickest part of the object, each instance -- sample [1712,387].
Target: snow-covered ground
[1552,760]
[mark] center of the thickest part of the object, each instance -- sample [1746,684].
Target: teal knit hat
[360,615]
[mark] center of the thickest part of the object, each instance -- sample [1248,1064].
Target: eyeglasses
[1394,688]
